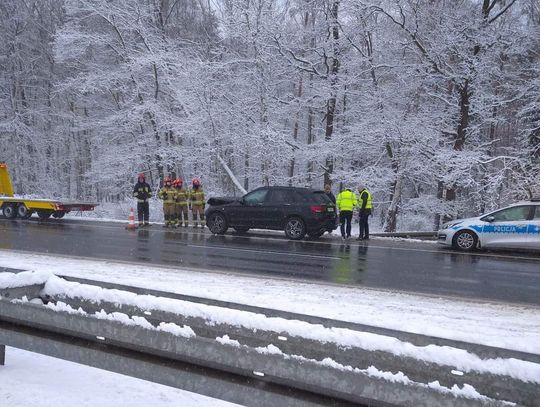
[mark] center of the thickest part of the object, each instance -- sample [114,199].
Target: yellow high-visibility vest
[346,200]
[361,201]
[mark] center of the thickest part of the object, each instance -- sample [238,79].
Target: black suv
[297,211]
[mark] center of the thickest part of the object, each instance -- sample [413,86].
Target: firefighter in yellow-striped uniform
[182,198]
[168,195]
[196,203]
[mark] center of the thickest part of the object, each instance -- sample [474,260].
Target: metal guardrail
[240,374]
[407,235]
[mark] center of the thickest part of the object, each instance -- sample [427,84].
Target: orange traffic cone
[131,225]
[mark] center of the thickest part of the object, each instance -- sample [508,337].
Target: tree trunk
[331,104]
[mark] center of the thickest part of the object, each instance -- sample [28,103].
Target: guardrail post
[2,355]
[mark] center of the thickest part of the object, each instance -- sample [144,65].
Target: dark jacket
[142,191]
[331,196]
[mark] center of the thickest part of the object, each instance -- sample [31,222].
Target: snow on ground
[31,379]
[497,324]
[346,338]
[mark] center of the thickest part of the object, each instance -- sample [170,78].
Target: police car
[514,227]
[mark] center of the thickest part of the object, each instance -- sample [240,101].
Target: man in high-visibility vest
[364,210]
[346,202]
[197,201]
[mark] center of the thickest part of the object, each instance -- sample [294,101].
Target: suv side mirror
[490,218]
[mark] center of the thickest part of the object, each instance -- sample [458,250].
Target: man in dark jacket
[364,210]
[142,193]
[328,191]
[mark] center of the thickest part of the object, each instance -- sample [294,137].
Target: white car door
[507,228]
[533,231]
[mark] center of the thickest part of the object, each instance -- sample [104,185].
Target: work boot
[147,224]
[141,224]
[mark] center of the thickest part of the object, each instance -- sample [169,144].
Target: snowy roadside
[503,325]
[31,379]
[334,236]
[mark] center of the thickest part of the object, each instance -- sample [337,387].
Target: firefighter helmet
[196,182]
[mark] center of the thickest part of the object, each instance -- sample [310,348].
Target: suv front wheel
[295,228]
[217,223]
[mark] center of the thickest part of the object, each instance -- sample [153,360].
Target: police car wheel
[465,241]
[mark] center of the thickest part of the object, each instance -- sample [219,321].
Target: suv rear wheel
[295,228]
[217,223]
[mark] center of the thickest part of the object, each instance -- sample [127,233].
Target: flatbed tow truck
[13,206]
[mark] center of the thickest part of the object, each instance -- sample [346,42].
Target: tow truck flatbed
[18,206]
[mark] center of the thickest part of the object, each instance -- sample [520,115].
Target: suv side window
[300,197]
[256,197]
[281,196]
[537,213]
[514,214]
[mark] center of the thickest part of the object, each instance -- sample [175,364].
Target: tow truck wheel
[58,214]
[44,214]
[23,212]
[9,211]
[465,241]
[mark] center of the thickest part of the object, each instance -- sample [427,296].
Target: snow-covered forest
[432,104]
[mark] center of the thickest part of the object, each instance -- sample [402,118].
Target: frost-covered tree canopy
[434,105]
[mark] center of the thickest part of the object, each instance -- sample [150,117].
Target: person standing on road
[182,197]
[364,212]
[329,194]
[196,199]
[346,202]
[142,193]
[168,195]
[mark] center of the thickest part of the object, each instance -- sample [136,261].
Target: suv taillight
[318,208]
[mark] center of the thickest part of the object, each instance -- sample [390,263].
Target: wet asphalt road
[379,263]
